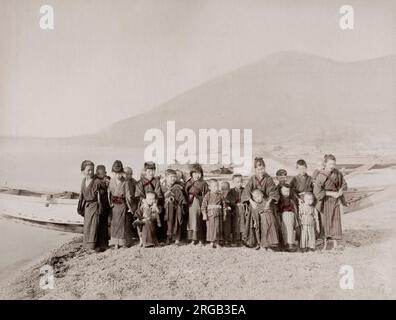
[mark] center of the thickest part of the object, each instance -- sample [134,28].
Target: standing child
[287,209]
[196,188]
[120,202]
[90,206]
[130,231]
[214,213]
[147,220]
[230,222]
[236,194]
[309,219]
[149,182]
[281,177]
[104,223]
[302,182]
[174,206]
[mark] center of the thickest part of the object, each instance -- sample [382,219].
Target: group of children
[273,214]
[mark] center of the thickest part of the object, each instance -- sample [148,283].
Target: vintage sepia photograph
[197,150]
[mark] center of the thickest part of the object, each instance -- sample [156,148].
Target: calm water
[21,243]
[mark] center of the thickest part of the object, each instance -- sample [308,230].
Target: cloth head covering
[149,165]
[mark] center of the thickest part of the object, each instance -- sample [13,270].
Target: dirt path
[228,273]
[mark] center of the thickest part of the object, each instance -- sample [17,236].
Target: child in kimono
[309,220]
[120,202]
[262,224]
[329,188]
[174,206]
[214,213]
[281,177]
[230,222]
[196,188]
[236,194]
[149,182]
[147,220]
[287,209]
[90,206]
[131,231]
[302,182]
[104,223]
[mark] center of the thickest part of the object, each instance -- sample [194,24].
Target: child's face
[150,199]
[302,170]
[150,173]
[88,171]
[128,174]
[260,171]
[238,182]
[214,186]
[101,173]
[257,197]
[309,199]
[171,179]
[330,165]
[196,175]
[225,187]
[285,191]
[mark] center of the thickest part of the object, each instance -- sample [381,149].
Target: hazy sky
[108,60]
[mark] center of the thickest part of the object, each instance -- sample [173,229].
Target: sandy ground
[189,272]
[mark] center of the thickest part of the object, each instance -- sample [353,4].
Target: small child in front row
[214,213]
[309,220]
[147,220]
[287,208]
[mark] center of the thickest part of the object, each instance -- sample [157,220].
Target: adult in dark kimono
[90,206]
[196,188]
[130,230]
[328,189]
[174,206]
[120,202]
[149,182]
[104,232]
[263,182]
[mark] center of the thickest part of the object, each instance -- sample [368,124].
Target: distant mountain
[285,97]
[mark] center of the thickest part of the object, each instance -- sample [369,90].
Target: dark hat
[117,167]
[281,172]
[149,165]
[196,167]
[86,163]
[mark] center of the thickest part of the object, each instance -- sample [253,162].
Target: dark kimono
[154,185]
[195,190]
[104,232]
[288,214]
[130,231]
[231,227]
[174,206]
[214,211]
[90,207]
[261,227]
[300,184]
[267,186]
[240,215]
[149,219]
[120,201]
[330,208]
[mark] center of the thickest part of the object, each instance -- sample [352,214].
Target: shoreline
[188,272]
